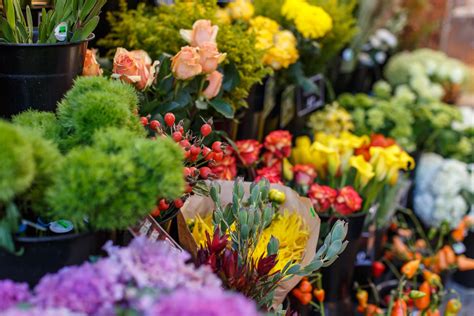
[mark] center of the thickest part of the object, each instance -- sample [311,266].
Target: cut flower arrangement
[241,249]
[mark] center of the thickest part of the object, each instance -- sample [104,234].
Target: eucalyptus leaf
[294,269]
[330,261]
[334,249]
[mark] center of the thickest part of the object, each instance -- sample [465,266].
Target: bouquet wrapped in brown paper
[241,243]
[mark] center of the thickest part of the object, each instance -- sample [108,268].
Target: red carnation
[279,143]
[272,174]
[249,151]
[304,174]
[322,197]
[347,201]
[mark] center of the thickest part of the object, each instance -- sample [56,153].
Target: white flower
[450,210]
[387,37]
[467,119]
[450,179]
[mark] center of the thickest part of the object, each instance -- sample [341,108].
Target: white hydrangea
[467,119]
[438,186]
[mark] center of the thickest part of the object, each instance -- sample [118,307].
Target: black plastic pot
[37,75]
[42,255]
[337,278]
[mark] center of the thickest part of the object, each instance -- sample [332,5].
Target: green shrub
[41,123]
[17,167]
[47,159]
[117,181]
[93,104]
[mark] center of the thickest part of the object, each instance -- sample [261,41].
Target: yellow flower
[264,30]
[223,16]
[365,171]
[311,21]
[283,53]
[241,9]
[328,154]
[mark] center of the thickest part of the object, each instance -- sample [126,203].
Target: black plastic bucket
[337,278]
[38,75]
[42,255]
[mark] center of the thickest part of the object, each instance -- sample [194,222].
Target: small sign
[60,31]
[309,102]
[150,228]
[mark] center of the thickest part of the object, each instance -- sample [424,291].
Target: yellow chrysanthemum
[311,21]
[283,53]
[241,9]
[264,30]
[288,228]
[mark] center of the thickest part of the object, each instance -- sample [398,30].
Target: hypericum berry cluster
[199,158]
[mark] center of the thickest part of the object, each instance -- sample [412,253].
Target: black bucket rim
[62,237]
[343,217]
[60,44]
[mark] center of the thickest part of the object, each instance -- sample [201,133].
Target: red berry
[177,136]
[169,119]
[204,172]
[195,150]
[209,156]
[144,121]
[154,125]
[206,129]
[188,188]
[156,212]
[187,171]
[185,143]
[217,147]
[181,129]
[205,151]
[162,205]
[218,156]
[192,170]
[178,203]
[187,154]
[192,158]
[378,269]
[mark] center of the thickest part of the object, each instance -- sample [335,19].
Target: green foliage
[17,167]
[271,9]
[93,104]
[41,123]
[81,17]
[47,159]
[156,30]
[117,181]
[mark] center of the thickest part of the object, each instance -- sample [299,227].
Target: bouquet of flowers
[241,245]
[145,278]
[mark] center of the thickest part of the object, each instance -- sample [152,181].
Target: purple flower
[158,265]
[90,288]
[210,302]
[39,312]
[12,293]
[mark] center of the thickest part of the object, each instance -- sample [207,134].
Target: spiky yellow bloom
[311,21]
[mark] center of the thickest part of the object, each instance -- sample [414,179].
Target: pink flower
[304,174]
[91,66]
[249,151]
[322,196]
[272,174]
[279,143]
[215,84]
[210,57]
[347,201]
[203,31]
[134,67]
[185,64]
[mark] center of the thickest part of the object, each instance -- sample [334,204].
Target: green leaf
[29,19]
[334,249]
[338,232]
[231,77]
[222,107]
[330,261]
[273,246]
[86,9]
[294,269]
[84,32]
[321,251]
[170,107]
[6,31]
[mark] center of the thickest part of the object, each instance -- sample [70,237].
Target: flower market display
[244,157]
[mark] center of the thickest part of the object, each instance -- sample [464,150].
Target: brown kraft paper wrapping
[199,205]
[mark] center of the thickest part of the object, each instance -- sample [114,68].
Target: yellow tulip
[330,155]
[365,171]
[287,170]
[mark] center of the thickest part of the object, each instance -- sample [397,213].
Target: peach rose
[210,57]
[134,67]
[185,64]
[91,66]
[215,83]
[203,31]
